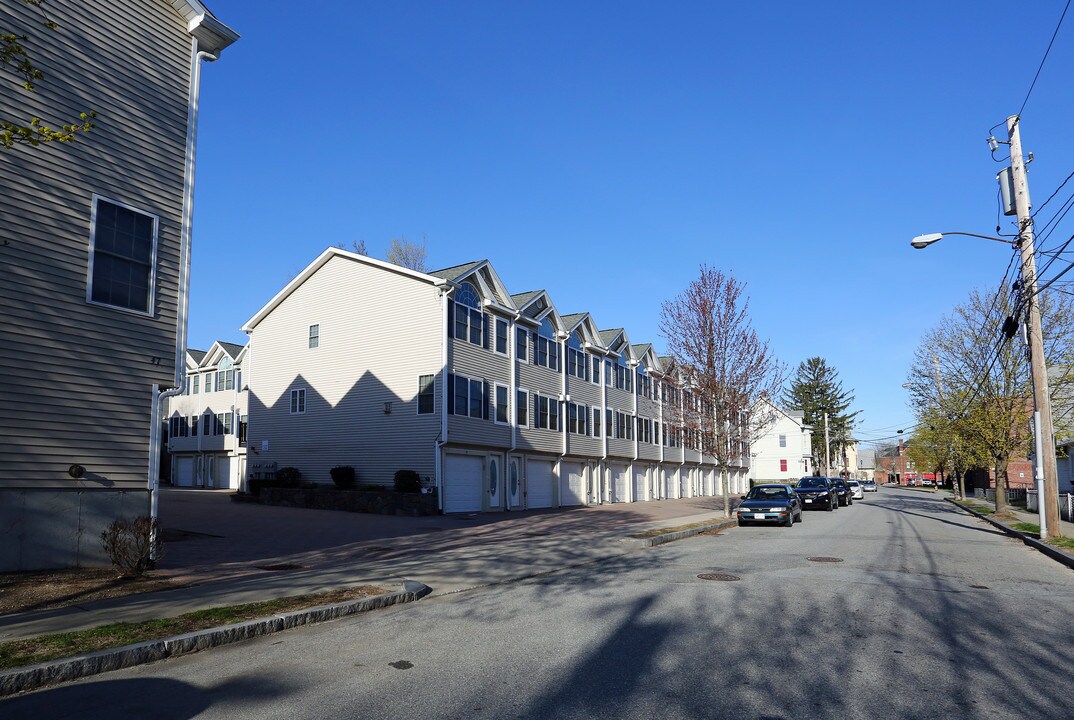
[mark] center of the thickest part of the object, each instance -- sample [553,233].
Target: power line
[1052,195]
[1041,67]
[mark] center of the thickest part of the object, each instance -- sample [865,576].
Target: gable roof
[521,300]
[571,321]
[196,355]
[455,271]
[230,348]
[319,262]
[609,336]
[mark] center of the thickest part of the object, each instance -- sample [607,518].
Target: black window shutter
[485,398]
[485,332]
[533,354]
[451,393]
[451,318]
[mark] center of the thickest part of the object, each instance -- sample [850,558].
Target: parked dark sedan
[842,490]
[770,503]
[817,492]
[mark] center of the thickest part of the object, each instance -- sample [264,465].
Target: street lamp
[1046,476]
[923,241]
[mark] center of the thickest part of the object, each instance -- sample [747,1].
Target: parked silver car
[856,490]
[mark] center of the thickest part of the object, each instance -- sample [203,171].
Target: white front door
[640,484]
[514,482]
[494,482]
[223,472]
[620,483]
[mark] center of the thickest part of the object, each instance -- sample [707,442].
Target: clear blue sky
[603,151]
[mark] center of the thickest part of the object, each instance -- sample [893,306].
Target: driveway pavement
[235,552]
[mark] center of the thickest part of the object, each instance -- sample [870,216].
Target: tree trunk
[1001,485]
[726,482]
[961,484]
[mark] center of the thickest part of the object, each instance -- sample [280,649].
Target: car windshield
[767,493]
[853,483]
[813,483]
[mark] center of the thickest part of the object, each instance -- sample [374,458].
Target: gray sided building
[94,253]
[495,399]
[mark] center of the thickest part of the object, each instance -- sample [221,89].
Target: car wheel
[790,520]
[741,523]
[850,501]
[832,505]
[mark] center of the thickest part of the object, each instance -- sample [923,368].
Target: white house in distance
[496,399]
[207,423]
[782,452]
[95,240]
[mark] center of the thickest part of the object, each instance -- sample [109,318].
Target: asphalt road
[930,614]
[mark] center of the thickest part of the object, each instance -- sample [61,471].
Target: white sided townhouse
[782,453]
[95,240]
[206,424]
[495,399]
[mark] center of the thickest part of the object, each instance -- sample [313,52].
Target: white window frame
[298,401]
[526,394]
[782,440]
[152,299]
[495,330]
[496,404]
[315,336]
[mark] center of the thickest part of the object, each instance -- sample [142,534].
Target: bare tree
[356,247]
[726,370]
[407,253]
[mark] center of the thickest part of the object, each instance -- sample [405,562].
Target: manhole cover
[979,587]
[281,566]
[725,577]
[824,559]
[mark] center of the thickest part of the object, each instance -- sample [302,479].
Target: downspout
[196,57]
[565,395]
[607,428]
[438,460]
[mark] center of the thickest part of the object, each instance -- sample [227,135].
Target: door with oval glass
[514,482]
[494,481]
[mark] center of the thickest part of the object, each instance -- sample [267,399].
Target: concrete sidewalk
[327,550]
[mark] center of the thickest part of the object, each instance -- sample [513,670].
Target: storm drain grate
[281,566]
[724,577]
[821,558]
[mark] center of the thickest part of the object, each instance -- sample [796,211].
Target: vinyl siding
[87,370]
[474,361]
[379,331]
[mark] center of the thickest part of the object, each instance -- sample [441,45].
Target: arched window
[577,361]
[468,322]
[546,347]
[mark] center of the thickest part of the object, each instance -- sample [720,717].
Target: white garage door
[184,472]
[671,483]
[539,482]
[639,485]
[620,486]
[571,484]
[462,483]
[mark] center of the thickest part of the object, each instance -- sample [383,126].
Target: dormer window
[577,361]
[465,319]
[545,347]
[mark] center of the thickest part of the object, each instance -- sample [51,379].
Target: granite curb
[33,677]
[1050,550]
[682,534]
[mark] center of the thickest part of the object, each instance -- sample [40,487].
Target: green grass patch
[18,653]
[983,509]
[664,531]
[1063,543]
[1028,528]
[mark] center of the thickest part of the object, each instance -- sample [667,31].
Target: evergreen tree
[816,389]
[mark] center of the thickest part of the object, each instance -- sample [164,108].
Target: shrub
[286,477]
[129,543]
[407,481]
[343,476]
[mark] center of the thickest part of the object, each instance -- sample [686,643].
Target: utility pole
[1049,484]
[827,447]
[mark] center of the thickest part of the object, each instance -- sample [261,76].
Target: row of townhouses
[495,399]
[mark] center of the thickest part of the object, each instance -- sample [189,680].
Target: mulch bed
[49,589]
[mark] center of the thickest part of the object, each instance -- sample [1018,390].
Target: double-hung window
[502,417]
[546,347]
[315,336]
[501,336]
[123,255]
[577,419]
[596,422]
[546,412]
[298,401]
[426,397]
[194,425]
[522,402]
[783,441]
[197,381]
[522,338]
